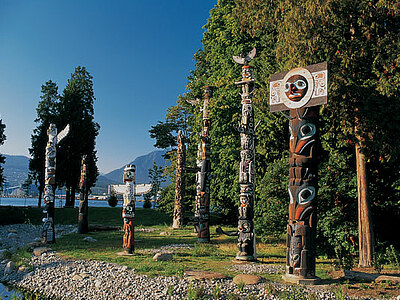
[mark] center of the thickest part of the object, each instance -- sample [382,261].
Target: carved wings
[62,134]
[247,59]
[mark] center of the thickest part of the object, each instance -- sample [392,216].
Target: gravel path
[48,274]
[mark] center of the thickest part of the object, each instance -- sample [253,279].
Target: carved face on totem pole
[296,88]
[129,173]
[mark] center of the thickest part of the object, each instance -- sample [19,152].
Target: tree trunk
[68,197]
[72,197]
[365,232]
[40,196]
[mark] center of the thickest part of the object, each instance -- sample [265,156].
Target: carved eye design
[307,130]
[306,195]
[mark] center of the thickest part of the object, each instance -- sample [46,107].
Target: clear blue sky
[138,52]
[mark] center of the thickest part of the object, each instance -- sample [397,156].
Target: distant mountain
[143,164]
[16,169]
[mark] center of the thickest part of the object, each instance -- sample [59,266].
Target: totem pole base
[125,253]
[245,258]
[299,280]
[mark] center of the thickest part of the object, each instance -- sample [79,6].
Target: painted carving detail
[83,200]
[246,237]
[303,189]
[48,233]
[203,175]
[179,184]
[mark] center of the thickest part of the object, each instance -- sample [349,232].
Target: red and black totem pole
[127,190]
[246,235]
[300,90]
[177,221]
[83,226]
[203,175]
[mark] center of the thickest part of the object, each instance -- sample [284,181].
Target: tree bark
[365,231]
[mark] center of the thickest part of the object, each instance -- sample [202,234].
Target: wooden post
[83,226]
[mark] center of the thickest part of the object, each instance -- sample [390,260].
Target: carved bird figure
[245,60]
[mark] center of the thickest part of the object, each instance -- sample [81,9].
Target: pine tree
[46,114]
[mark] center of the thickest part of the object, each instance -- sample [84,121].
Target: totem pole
[177,222]
[83,198]
[246,235]
[48,233]
[203,175]
[300,90]
[128,210]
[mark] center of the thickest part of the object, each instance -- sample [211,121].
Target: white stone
[162,256]
[89,239]
[9,268]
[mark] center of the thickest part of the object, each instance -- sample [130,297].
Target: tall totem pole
[48,233]
[246,235]
[83,226]
[300,90]
[203,175]
[177,222]
[128,210]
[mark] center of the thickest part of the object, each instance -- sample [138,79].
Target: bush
[113,200]
[271,207]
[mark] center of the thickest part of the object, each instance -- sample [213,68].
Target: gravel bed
[254,268]
[16,236]
[86,279]
[54,277]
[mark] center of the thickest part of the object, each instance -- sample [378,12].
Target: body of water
[33,202]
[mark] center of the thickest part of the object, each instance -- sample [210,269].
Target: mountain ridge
[16,169]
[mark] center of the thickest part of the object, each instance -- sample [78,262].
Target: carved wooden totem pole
[177,222]
[83,226]
[48,233]
[246,236]
[203,175]
[128,209]
[300,90]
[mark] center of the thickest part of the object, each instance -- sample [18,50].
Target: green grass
[216,256]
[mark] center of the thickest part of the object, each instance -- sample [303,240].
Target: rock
[84,275]
[21,269]
[9,268]
[97,283]
[76,277]
[89,239]
[162,256]
[40,250]
[203,275]
[247,279]
[33,245]
[165,233]
[393,279]
[354,275]
[11,235]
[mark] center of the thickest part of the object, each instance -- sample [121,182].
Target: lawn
[152,231]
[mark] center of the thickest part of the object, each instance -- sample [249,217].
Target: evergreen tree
[46,114]
[156,178]
[76,108]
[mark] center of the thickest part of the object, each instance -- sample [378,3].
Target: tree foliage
[360,40]
[75,107]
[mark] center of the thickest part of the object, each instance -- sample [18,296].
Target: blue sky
[138,52]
